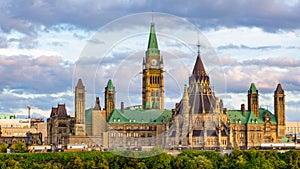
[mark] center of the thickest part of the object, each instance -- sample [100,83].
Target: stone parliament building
[198,121]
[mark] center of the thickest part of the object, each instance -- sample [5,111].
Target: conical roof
[199,68]
[279,89]
[110,85]
[152,43]
[80,84]
[252,89]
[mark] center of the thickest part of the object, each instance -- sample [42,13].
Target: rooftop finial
[198,45]
[152,16]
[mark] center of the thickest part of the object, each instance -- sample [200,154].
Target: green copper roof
[236,116]
[110,85]
[7,116]
[263,112]
[152,43]
[252,89]
[147,105]
[88,116]
[139,116]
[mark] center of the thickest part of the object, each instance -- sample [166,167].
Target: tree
[75,161]
[3,148]
[19,147]
[101,162]
[203,163]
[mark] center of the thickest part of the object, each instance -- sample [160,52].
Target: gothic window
[80,95]
[241,135]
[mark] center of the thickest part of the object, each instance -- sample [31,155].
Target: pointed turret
[199,73]
[252,89]
[199,68]
[253,99]
[80,84]
[152,43]
[80,108]
[279,89]
[185,94]
[110,99]
[80,102]
[97,104]
[110,86]
[279,110]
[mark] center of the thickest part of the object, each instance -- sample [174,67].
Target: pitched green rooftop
[110,85]
[140,116]
[252,89]
[152,43]
[236,116]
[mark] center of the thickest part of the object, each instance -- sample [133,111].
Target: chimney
[122,107]
[225,111]
[243,109]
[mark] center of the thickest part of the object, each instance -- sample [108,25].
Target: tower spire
[152,16]
[198,46]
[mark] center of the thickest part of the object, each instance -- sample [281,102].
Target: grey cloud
[38,75]
[29,16]
[282,62]
[3,41]
[78,36]
[96,41]
[44,102]
[231,46]
[293,103]
[28,42]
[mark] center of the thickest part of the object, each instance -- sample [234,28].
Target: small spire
[279,89]
[198,45]
[80,84]
[97,104]
[152,16]
[185,93]
[252,89]
[110,85]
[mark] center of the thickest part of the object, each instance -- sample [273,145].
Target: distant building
[293,127]
[13,130]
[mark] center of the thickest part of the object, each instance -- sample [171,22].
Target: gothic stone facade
[198,121]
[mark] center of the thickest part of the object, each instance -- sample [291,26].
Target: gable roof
[236,116]
[59,111]
[140,116]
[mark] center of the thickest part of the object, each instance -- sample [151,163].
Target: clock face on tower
[154,62]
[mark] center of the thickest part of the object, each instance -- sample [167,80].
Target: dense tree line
[185,160]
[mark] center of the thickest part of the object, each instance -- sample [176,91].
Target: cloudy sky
[45,46]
